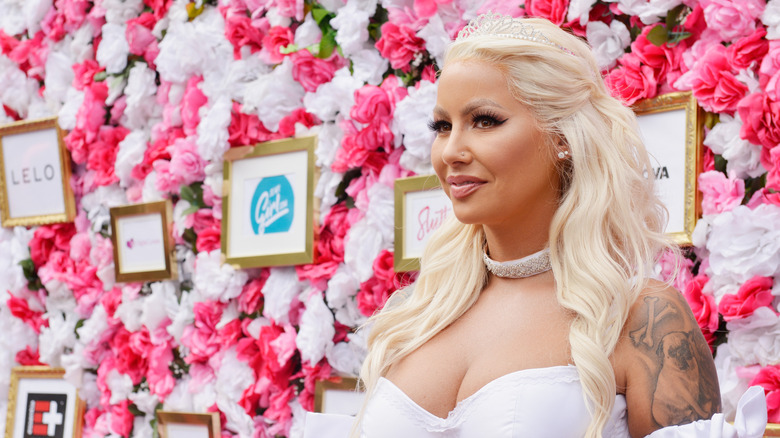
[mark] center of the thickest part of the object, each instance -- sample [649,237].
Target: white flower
[648,11]
[347,357]
[279,291]
[145,401]
[149,192]
[316,331]
[116,88]
[34,12]
[608,41]
[579,9]
[59,76]
[744,243]
[13,249]
[381,212]
[66,117]
[308,33]
[743,157]
[130,309]
[142,427]
[217,281]
[17,91]
[362,244]
[328,142]
[119,11]
[12,19]
[159,305]
[274,95]
[233,378]
[184,316]
[771,19]
[113,49]
[213,130]
[409,127]
[89,391]
[93,328]
[81,46]
[60,334]
[130,154]
[369,66]
[327,184]
[180,398]
[756,338]
[436,38]
[120,384]
[142,109]
[352,25]
[334,97]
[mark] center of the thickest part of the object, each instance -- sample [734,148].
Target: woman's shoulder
[664,362]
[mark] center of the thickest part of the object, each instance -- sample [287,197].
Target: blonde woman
[533,315]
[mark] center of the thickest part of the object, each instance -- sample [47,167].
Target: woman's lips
[462,186]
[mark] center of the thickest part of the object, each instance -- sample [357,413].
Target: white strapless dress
[538,403]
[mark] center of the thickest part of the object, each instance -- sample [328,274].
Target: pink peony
[748,50]
[399,44]
[714,83]
[760,116]
[553,10]
[632,81]
[732,19]
[720,193]
[754,293]
[769,379]
[186,164]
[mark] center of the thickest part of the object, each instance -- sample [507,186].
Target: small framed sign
[421,206]
[34,174]
[268,203]
[143,250]
[672,127]
[188,425]
[341,396]
[41,403]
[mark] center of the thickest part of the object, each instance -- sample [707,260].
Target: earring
[563,154]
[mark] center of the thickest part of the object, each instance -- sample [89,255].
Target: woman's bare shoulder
[670,377]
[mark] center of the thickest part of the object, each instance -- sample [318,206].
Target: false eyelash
[436,125]
[487,115]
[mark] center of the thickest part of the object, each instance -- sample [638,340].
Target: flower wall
[152,94]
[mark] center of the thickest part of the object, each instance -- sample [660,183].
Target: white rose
[213,130]
[119,11]
[142,109]
[279,290]
[274,95]
[233,378]
[362,244]
[141,425]
[608,41]
[731,386]
[16,90]
[743,157]
[436,38]
[648,11]
[60,334]
[771,19]
[131,308]
[217,281]
[59,76]
[113,49]
[327,184]
[756,338]
[316,331]
[159,305]
[579,9]
[409,127]
[12,19]
[351,24]
[130,154]
[308,33]
[66,117]
[368,66]
[334,97]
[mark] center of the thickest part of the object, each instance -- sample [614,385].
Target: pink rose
[662,60]
[92,113]
[186,164]
[122,419]
[748,50]
[75,12]
[241,31]
[375,291]
[760,119]
[703,306]
[754,293]
[20,309]
[372,104]
[427,8]
[732,18]
[246,129]
[202,337]
[631,81]
[102,154]
[53,25]
[399,44]
[28,357]
[276,38]
[773,175]
[311,71]
[714,83]
[553,10]
[769,379]
[290,8]
[287,126]
[139,33]
[50,238]
[209,239]
[764,196]
[720,193]
[770,65]
[191,103]
[251,298]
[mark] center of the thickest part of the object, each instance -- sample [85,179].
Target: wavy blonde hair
[604,237]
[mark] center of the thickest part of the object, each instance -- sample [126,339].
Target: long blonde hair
[604,237]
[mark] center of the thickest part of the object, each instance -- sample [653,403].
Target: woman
[533,314]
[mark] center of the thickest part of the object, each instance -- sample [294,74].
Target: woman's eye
[439,126]
[486,121]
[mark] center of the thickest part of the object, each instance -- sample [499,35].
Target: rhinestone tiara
[496,24]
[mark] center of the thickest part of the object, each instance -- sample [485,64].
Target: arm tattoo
[683,380]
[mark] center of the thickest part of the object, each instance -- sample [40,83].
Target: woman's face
[493,162]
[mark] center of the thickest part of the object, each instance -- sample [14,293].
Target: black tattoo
[645,333]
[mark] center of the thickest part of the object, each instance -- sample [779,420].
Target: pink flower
[732,18]
[553,10]
[703,306]
[251,298]
[50,238]
[287,126]
[210,238]
[102,154]
[372,104]
[631,81]
[375,291]
[773,175]
[122,419]
[427,8]
[139,33]
[202,337]
[21,309]
[399,44]
[276,38]
[770,65]
[671,265]
[748,50]
[754,293]
[312,72]
[764,196]
[191,102]
[662,60]
[159,375]
[290,8]
[720,193]
[769,379]
[28,357]
[241,31]
[760,119]
[186,164]
[715,85]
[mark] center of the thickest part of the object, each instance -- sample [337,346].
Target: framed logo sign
[42,404]
[267,208]
[188,425]
[34,174]
[421,206]
[672,127]
[143,250]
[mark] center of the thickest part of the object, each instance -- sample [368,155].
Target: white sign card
[44,407]
[141,243]
[424,213]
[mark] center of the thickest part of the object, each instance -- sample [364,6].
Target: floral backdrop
[152,93]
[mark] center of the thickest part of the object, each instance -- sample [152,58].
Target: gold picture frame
[412,196]
[143,247]
[184,424]
[268,205]
[772,429]
[34,174]
[39,397]
[341,396]
[672,126]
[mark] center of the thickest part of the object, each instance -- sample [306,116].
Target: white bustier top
[538,402]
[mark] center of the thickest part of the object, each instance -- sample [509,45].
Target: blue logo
[273,205]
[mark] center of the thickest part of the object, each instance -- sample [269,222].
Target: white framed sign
[142,243]
[421,206]
[338,397]
[34,174]
[671,127]
[268,206]
[188,425]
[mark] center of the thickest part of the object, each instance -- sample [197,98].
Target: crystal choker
[495,24]
[528,266]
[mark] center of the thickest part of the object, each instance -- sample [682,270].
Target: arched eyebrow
[469,108]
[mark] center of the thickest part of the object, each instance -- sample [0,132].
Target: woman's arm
[670,378]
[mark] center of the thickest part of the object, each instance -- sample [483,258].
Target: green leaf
[187,194]
[286,50]
[327,44]
[191,238]
[720,163]
[191,209]
[658,35]
[318,14]
[676,37]
[100,76]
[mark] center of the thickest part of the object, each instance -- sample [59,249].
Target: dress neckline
[567,371]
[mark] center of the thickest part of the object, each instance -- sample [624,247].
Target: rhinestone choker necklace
[527,266]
